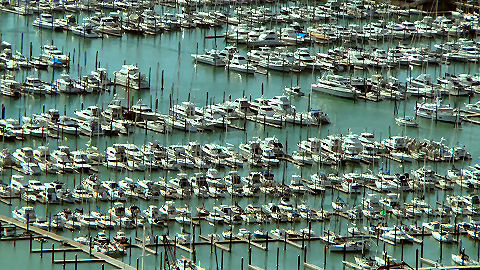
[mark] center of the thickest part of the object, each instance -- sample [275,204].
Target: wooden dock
[253,243]
[216,243]
[311,266]
[78,261]
[147,249]
[68,242]
[56,250]
[253,267]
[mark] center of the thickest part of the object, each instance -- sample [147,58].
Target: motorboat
[443,236]
[330,84]
[211,57]
[463,259]
[129,76]
[45,21]
[25,214]
[351,246]
[398,236]
[406,121]
[240,63]
[439,112]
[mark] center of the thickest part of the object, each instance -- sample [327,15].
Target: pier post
[416,259]
[221,261]
[64,258]
[266,243]
[298,262]
[161,260]
[325,257]
[162,79]
[305,255]
[211,244]
[175,247]
[149,75]
[31,238]
[41,249]
[138,263]
[103,266]
[285,242]
[53,253]
[402,252]
[249,255]
[130,250]
[421,245]
[303,240]
[441,248]
[278,251]
[241,264]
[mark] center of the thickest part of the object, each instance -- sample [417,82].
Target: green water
[171,52]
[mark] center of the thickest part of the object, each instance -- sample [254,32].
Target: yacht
[438,111]
[10,88]
[85,30]
[25,214]
[463,259]
[406,121]
[268,38]
[398,236]
[65,84]
[91,112]
[211,57]
[91,127]
[129,76]
[294,91]
[475,107]
[45,21]
[53,55]
[33,85]
[44,160]
[443,236]
[240,63]
[350,246]
[331,85]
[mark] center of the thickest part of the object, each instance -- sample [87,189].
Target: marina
[339,134]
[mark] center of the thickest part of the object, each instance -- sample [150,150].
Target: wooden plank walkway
[257,245]
[253,267]
[78,261]
[147,249]
[312,266]
[56,250]
[109,260]
[180,246]
[216,243]
[289,241]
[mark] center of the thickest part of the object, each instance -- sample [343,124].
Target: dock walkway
[111,261]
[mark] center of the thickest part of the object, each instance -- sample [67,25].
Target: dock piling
[53,253]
